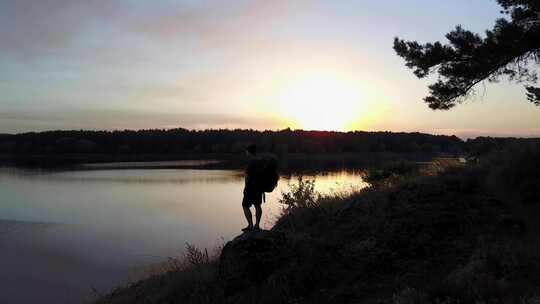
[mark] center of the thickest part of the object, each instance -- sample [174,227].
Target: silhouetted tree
[507,50]
[182,141]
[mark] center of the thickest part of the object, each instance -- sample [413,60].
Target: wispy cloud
[48,27]
[31,29]
[142,64]
[15,122]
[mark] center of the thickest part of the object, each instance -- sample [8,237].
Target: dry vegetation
[444,233]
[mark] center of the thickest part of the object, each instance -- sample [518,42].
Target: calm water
[64,234]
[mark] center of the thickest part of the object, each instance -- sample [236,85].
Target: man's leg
[258,214]
[248,215]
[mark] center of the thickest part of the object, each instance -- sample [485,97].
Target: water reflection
[147,165]
[330,182]
[80,229]
[159,176]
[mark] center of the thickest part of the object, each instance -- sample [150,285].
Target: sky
[261,64]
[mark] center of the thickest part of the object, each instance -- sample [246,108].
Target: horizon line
[463,137]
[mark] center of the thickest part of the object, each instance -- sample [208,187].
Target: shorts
[252,198]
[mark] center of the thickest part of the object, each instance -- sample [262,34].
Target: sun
[321,103]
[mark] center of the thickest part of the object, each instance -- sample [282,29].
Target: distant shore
[290,163]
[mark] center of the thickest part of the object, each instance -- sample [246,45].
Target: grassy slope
[464,234]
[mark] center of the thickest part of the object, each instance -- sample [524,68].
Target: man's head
[251,150]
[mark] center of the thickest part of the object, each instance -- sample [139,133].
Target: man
[252,194]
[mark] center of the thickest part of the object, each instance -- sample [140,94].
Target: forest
[178,141]
[298,150]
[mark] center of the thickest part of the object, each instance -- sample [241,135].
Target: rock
[290,264]
[250,258]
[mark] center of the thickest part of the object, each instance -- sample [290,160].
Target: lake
[69,235]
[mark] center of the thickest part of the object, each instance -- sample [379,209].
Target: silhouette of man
[252,195]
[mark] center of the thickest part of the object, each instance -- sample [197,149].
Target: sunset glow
[325,65]
[321,103]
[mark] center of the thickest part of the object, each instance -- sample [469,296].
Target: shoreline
[289,164]
[453,233]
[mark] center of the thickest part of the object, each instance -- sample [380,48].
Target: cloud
[47,27]
[218,23]
[17,121]
[30,29]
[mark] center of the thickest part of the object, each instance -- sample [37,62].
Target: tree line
[184,141]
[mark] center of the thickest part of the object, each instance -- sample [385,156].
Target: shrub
[517,171]
[301,195]
[391,170]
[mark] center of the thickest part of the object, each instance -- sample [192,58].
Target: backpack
[266,175]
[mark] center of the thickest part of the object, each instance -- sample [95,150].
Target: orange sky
[248,64]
